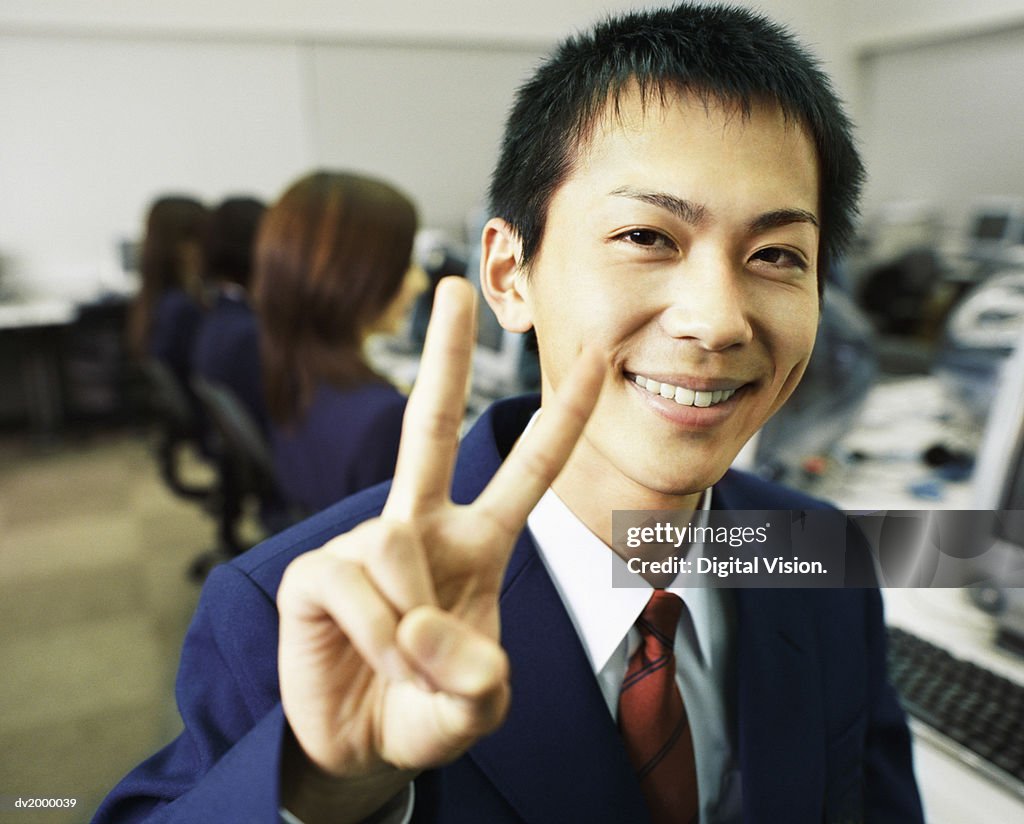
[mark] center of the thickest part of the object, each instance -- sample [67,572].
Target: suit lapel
[559,756]
[780,712]
[779,708]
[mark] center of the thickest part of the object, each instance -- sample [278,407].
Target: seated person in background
[333,265]
[167,312]
[449,648]
[227,348]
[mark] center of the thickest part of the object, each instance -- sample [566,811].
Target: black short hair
[717,52]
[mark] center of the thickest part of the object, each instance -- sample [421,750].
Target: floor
[94,603]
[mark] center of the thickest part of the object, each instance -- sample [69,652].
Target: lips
[700,398]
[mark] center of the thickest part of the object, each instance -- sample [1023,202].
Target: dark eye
[648,238]
[776,256]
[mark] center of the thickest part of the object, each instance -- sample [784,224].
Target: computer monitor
[995,228]
[999,487]
[999,476]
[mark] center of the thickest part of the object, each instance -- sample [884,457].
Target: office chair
[180,427]
[245,472]
[897,294]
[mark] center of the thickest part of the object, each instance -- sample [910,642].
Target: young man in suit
[450,648]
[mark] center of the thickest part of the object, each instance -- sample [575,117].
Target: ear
[501,277]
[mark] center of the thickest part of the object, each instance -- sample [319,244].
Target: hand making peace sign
[389,659]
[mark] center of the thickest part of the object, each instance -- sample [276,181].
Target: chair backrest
[244,449]
[181,429]
[170,400]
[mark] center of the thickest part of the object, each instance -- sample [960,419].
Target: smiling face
[684,245]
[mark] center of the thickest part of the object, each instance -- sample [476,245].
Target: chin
[674,485]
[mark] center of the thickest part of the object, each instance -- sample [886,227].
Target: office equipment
[953,788]
[981,333]
[953,662]
[31,335]
[899,421]
[102,385]
[897,293]
[504,363]
[825,405]
[995,232]
[969,711]
[440,256]
[999,485]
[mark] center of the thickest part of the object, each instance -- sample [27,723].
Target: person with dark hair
[167,312]
[227,347]
[449,647]
[333,265]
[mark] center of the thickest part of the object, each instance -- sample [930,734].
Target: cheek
[796,327]
[793,348]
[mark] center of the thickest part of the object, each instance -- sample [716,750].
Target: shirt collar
[581,566]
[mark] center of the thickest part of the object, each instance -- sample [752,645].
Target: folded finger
[323,594]
[465,666]
[394,559]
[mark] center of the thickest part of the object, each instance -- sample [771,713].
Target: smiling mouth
[681,395]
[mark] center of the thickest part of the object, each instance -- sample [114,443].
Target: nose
[709,307]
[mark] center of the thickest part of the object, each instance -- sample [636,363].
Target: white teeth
[684,397]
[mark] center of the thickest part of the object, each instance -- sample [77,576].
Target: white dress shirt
[581,564]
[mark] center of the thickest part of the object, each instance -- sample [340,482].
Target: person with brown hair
[227,347]
[333,265]
[167,311]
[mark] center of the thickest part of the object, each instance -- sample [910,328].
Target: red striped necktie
[653,720]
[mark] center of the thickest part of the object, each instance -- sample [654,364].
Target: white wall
[938,102]
[108,103]
[871,24]
[95,128]
[446,20]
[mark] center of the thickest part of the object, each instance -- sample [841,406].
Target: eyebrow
[694,214]
[781,217]
[686,210]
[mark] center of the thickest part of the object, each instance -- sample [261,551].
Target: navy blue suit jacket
[227,351]
[172,332]
[345,442]
[821,736]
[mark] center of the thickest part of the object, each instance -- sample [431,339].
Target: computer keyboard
[972,713]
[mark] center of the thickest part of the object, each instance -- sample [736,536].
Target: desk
[400,364]
[33,331]
[900,420]
[952,792]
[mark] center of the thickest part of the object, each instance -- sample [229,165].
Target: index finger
[433,416]
[538,457]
